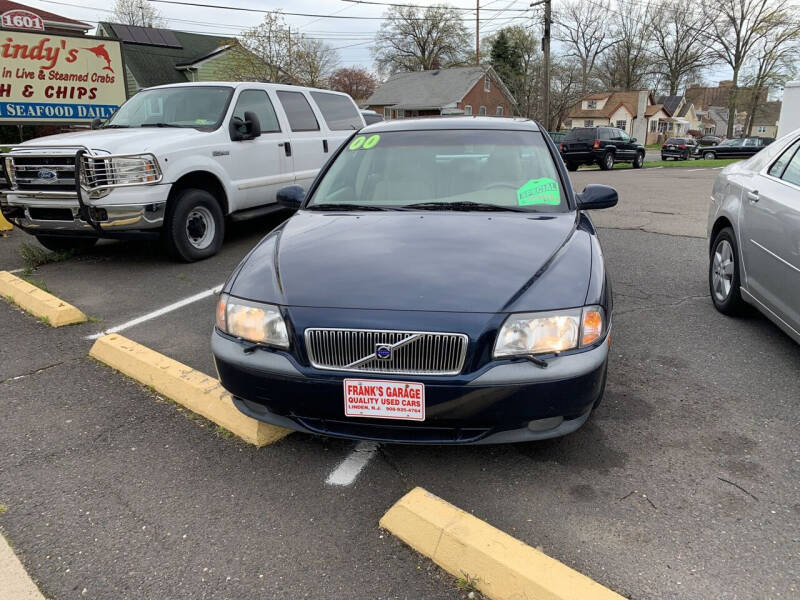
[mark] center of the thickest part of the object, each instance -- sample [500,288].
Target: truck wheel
[57,243]
[638,162]
[571,166]
[194,225]
[607,162]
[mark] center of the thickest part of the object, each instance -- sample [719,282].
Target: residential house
[705,97]
[684,116]
[457,91]
[765,120]
[53,23]
[621,109]
[155,56]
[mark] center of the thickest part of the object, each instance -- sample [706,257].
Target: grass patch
[34,256]
[467,584]
[221,431]
[44,320]
[3,508]
[688,164]
[38,283]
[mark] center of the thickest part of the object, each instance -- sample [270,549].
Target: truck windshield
[199,107]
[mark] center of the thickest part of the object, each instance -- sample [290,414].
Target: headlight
[547,333]
[133,169]
[252,321]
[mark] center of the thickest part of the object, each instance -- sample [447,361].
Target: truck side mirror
[252,125]
[96,122]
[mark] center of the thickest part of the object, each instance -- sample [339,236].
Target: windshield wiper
[158,125]
[114,126]
[345,206]
[462,206]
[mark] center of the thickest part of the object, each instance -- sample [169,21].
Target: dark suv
[601,146]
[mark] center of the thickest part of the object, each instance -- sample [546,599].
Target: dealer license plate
[378,399]
[671,148]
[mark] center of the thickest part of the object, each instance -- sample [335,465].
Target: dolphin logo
[101,52]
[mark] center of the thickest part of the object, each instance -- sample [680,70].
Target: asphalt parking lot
[684,484]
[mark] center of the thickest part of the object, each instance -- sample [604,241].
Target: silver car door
[770,229]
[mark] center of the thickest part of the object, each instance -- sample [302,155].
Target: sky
[351,37]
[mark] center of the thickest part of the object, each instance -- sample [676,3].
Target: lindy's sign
[21,19]
[53,78]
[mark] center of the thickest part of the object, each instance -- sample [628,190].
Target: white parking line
[348,470]
[655,167]
[157,313]
[693,170]
[12,271]
[718,167]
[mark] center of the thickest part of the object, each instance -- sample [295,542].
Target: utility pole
[546,55]
[477,32]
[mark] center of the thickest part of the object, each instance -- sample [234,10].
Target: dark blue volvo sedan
[439,283]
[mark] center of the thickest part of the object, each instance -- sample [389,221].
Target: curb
[5,225]
[17,584]
[503,568]
[39,303]
[196,391]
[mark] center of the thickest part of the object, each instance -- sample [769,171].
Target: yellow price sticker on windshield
[363,142]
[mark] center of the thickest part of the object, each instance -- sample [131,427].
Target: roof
[685,109]
[706,97]
[433,124]
[155,65]
[767,114]
[49,18]
[654,108]
[671,103]
[433,89]
[630,100]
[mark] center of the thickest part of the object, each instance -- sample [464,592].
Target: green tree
[506,59]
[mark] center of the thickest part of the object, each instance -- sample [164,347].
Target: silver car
[754,235]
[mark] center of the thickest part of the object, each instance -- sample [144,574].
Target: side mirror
[252,125]
[633,139]
[597,196]
[291,197]
[96,122]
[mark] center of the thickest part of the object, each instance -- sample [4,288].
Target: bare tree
[274,53]
[679,33]
[565,89]
[355,81]
[627,65]
[137,12]
[738,29]
[416,39]
[584,28]
[774,62]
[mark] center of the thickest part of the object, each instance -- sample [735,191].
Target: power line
[372,3]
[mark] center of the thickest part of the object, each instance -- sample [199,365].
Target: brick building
[457,91]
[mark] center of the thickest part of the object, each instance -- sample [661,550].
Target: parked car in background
[682,148]
[440,283]
[557,136]
[602,146]
[736,148]
[754,231]
[709,140]
[174,162]
[370,117]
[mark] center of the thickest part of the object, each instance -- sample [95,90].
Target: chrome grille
[411,352]
[26,172]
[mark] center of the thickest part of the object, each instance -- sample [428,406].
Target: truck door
[307,145]
[258,168]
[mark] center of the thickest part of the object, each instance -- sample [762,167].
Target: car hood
[465,262]
[120,141]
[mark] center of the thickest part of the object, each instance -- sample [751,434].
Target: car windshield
[444,170]
[675,141]
[199,107]
[731,143]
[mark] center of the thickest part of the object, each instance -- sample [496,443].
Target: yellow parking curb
[195,390]
[5,225]
[39,303]
[16,582]
[501,567]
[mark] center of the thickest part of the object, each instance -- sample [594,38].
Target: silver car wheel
[200,227]
[722,270]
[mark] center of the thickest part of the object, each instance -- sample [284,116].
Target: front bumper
[129,210]
[505,401]
[675,153]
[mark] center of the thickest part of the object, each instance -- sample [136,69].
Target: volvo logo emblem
[46,174]
[383,351]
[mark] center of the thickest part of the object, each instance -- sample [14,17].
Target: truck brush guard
[67,171]
[73,172]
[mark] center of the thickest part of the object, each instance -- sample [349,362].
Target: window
[621,135]
[401,113]
[604,134]
[762,129]
[387,113]
[792,172]
[487,84]
[588,123]
[468,110]
[750,142]
[298,110]
[499,111]
[258,102]
[622,125]
[592,104]
[777,168]
[446,166]
[653,125]
[338,111]
[483,110]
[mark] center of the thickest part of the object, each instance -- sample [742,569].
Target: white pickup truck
[175,162]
